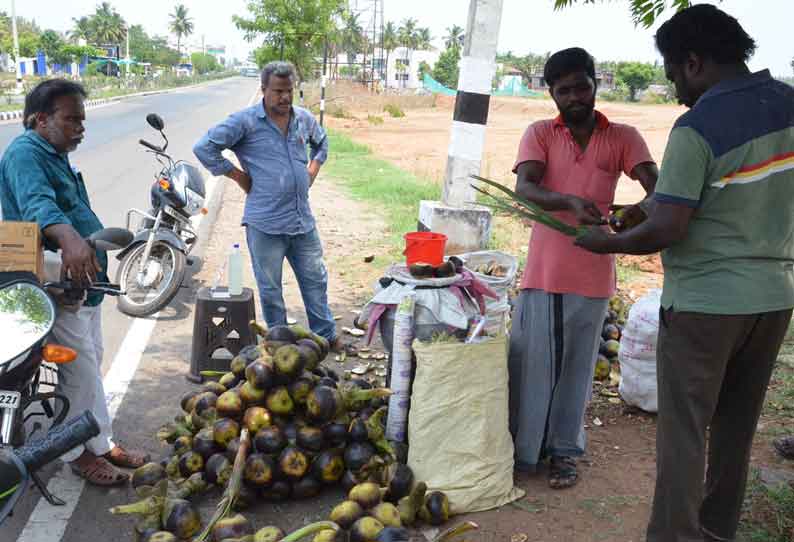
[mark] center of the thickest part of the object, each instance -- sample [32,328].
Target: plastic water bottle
[235,271]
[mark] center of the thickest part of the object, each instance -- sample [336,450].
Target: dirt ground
[611,502]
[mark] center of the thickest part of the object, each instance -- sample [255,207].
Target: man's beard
[577,116]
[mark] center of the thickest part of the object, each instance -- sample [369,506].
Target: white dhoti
[81,380]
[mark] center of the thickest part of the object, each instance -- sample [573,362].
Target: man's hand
[585,211]
[241,178]
[625,217]
[596,240]
[79,261]
[314,169]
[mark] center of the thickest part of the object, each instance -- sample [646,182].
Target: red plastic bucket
[424,246]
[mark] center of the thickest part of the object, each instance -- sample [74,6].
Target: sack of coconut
[458,436]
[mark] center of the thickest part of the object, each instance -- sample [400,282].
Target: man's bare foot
[98,471]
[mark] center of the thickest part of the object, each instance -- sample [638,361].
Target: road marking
[48,523]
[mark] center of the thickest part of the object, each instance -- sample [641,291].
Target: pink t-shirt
[554,263]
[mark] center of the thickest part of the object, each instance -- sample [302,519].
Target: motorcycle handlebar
[151,146]
[59,440]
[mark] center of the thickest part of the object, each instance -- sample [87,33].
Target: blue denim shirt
[37,184]
[278,202]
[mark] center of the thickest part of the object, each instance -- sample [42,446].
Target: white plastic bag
[638,353]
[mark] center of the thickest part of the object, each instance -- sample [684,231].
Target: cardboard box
[20,247]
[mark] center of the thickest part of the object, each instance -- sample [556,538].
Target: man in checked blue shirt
[270,139]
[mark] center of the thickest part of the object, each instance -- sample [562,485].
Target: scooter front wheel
[152,287]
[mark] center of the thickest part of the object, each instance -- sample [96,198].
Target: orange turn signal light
[204,210]
[55,353]
[164,184]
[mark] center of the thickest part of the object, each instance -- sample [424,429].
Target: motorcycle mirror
[27,315]
[13,482]
[111,238]
[155,121]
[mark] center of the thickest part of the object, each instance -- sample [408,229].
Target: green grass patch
[375,119]
[393,193]
[769,512]
[394,110]
[626,273]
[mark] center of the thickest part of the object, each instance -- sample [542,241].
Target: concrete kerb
[17,114]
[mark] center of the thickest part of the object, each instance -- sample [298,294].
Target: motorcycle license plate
[9,399]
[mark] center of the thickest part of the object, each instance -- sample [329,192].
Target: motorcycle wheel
[144,300]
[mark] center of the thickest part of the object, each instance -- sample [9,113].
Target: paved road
[118,174]
[117,171]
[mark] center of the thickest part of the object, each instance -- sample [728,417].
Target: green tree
[390,43]
[204,63]
[28,33]
[302,25]
[792,64]
[107,26]
[82,29]
[424,68]
[644,12]
[52,44]
[423,39]
[454,36]
[351,35]
[636,76]
[446,70]
[180,24]
[408,37]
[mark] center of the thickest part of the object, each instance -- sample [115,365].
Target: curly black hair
[42,98]
[706,31]
[568,61]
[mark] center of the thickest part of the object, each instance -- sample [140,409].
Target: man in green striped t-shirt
[723,216]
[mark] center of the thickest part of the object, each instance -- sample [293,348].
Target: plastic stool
[214,320]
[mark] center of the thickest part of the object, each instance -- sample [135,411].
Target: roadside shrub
[394,110]
[374,119]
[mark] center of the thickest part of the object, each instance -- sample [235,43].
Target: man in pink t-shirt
[569,165]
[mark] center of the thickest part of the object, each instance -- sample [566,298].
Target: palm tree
[108,26]
[407,36]
[423,39]
[180,24]
[390,43]
[82,29]
[352,35]
[454,36]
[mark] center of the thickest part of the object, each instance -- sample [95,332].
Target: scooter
[152,268]
[28,358]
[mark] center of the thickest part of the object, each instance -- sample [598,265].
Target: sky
[606,30]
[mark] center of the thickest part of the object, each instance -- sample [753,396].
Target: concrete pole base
[467,228]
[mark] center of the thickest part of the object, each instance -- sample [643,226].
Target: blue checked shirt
[39,185]
[278,203]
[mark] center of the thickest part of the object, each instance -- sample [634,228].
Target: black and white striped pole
[466,225]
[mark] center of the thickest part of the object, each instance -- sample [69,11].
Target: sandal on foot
[127,459]
[785,446]
[100,472]
[562,472]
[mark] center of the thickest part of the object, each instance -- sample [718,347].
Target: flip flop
[100,473]
[127,459]
[785,446]
[562,472]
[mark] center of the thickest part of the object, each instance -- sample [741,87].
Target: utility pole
[16,47]
[467,225]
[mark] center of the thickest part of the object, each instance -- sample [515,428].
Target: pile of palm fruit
[279,426]
[611,333]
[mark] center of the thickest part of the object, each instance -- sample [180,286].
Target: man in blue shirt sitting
[270,139]
[39,184]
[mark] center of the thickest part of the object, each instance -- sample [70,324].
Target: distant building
[402,70]
[605,80]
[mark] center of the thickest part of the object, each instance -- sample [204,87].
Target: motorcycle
[28,359]
[152,267]
[18,466]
